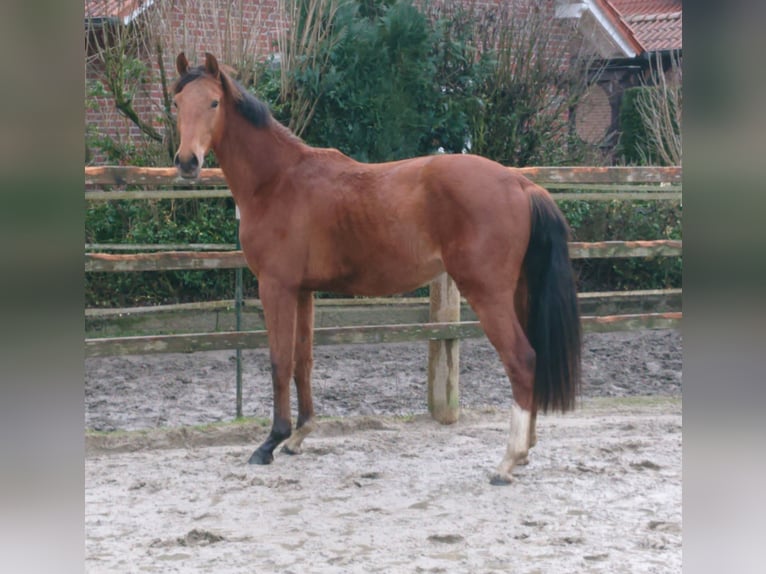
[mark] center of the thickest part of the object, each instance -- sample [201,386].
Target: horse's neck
[252,157]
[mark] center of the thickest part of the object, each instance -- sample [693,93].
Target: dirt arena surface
[139,392]
[381,487]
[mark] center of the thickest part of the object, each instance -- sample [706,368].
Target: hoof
[500,480]
[292,451]
[261,457]
[523,462]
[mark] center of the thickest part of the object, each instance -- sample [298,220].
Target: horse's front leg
[279,307]
[304,360]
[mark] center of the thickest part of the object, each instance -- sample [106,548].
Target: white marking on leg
[518,443]
[293,443]
[533,430]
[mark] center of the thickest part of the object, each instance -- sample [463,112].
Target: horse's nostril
[188,165]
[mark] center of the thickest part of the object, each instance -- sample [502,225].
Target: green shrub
[636,146]
[377,96]
[212,221]
[156,222]
[626,221]
[398,84]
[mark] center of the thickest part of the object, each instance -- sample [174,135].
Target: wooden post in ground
[444,355]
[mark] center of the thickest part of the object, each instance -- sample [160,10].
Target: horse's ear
[211,65]
[182,64]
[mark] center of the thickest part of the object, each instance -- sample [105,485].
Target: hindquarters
[505,234]
[509,257]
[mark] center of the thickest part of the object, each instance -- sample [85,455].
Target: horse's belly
[377,250]
[377,277]
[398,279]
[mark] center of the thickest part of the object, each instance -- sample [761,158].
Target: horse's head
[197,98]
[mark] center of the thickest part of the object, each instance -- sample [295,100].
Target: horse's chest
[257,245]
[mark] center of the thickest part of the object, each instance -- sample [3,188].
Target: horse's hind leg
[520,370]
[532,436]
[499,320]
[304,361]
[518,358]
[523,317]
[533,428]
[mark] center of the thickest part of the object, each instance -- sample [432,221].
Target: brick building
[626,34]
[631,37]
[193,26]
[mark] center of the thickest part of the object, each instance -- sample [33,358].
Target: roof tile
[125,10]
[656,24]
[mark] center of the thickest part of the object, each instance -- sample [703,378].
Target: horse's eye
[214,104]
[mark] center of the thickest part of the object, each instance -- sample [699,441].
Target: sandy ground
[381,488]
[138,392]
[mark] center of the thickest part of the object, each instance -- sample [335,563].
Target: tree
[119,54]
[128,59]
[532,72]
[659,105]
[305,48]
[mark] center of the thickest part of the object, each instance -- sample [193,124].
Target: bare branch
[129,59]
[660,106]
[304,43]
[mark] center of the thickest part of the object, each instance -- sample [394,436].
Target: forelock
[252,109]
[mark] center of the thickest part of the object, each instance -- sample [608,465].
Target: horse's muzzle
[188,168]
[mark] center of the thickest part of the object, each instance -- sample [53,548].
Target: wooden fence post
[444,355]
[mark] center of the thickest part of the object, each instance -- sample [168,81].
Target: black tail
[553,325]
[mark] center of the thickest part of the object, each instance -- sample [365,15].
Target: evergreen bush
[394,81]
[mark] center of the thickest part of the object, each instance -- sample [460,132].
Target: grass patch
[600,404]
[204,427]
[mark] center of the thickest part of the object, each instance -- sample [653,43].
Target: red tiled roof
[656,24]
[125,10]
[623,30]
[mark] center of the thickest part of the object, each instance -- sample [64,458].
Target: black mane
[251,108]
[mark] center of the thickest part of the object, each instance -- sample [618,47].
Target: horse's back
[386,228]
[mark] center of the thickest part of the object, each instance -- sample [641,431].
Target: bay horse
[314,219]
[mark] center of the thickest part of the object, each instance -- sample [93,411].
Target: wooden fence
[444,327]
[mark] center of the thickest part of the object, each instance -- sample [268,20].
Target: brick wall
[594,115]
[196,26]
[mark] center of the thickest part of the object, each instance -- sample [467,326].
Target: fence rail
[218,316]
[593,184]
[594,193]
[547,176]
[191,260]
[633,183]
[365,334]
[444,325]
